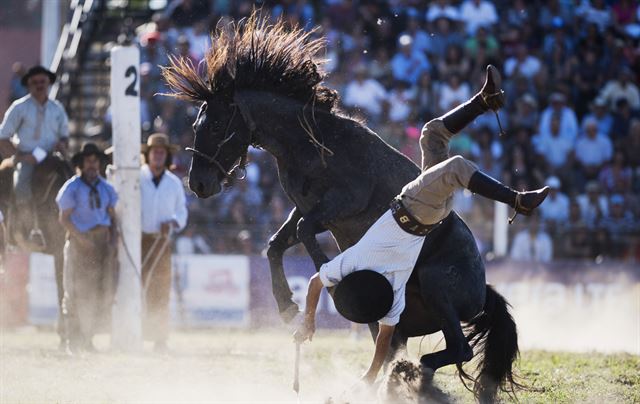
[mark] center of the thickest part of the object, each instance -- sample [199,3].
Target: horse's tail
[494,338]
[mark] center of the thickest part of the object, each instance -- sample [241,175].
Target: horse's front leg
[337,203]
[284,238]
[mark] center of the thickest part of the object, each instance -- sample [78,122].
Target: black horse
[48,178]
[262,88]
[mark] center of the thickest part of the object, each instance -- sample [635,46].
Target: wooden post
[125,109]
[500,229]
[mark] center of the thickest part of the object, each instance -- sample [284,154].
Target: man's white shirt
[385,248]
[35,124]
[163,203]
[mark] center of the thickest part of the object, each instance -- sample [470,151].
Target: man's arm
[180,209]
[2,242]
[9,126]
[313,297]
[65,221]
[6,148]
[113,230]
[383,342]
[63,146]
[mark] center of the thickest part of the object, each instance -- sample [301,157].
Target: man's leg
[428,196]
[88,290]
[24,197]
[158,293]
[72,262]
[436,134]
[443,174]
[158,290]
[490,97]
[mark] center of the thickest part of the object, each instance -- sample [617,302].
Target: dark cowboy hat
[159,140]
[363,296]
[38,70]
[88,149]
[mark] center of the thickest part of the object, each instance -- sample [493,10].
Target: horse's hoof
[290,313]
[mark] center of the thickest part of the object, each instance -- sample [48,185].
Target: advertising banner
[211,290]
[42,290]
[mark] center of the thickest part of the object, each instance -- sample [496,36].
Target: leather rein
[251,125]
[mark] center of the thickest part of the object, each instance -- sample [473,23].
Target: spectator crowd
[571,121]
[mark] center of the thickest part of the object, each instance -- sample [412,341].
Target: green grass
[241,366]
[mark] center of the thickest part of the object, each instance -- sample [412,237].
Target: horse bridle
[251,125]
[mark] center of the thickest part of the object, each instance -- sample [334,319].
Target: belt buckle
[395,205]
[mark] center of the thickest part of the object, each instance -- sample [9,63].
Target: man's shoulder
[70,184]
[173,178]
[107,184]
[57,105]
[22,102]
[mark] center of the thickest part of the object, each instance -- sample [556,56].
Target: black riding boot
[490,97]
[523,202]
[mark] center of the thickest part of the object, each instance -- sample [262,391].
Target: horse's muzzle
[204,187]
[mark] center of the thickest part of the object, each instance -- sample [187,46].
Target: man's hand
[305,331]
[26,158]
[62,147]
[166,227]
[368,378]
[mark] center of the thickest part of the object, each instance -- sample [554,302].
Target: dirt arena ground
[243,366]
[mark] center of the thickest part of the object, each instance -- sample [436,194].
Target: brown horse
[48,178]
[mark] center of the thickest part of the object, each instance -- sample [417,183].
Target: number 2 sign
[131,88]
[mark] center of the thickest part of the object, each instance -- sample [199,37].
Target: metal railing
[65,60]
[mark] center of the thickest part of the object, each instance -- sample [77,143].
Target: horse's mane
[258,55]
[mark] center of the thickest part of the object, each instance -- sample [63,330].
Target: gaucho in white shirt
[162,203]
[164,210]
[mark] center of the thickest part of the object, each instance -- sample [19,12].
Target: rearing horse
[263,88]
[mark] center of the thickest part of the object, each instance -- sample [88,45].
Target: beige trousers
[89,280]
[429,198]
[155,323]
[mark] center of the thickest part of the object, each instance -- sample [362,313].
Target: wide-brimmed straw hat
[38,70]
[363,296]
[88,149]
[159,140]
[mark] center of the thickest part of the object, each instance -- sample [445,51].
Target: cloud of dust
[596,315]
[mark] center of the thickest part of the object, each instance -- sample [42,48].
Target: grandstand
[571,74]
[567,69]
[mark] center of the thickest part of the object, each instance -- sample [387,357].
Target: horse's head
[220,146]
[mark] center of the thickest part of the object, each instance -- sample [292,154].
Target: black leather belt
[407,222]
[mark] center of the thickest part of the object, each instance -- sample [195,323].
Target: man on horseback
[38,126]
[385,256]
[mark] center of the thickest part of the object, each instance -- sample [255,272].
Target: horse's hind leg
[457,350]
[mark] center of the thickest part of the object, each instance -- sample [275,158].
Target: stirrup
[517,205]
[484,100]
[486,97]
[37,234]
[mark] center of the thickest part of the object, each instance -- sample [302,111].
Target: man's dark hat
[38,70]
[88,149]
[363,296]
